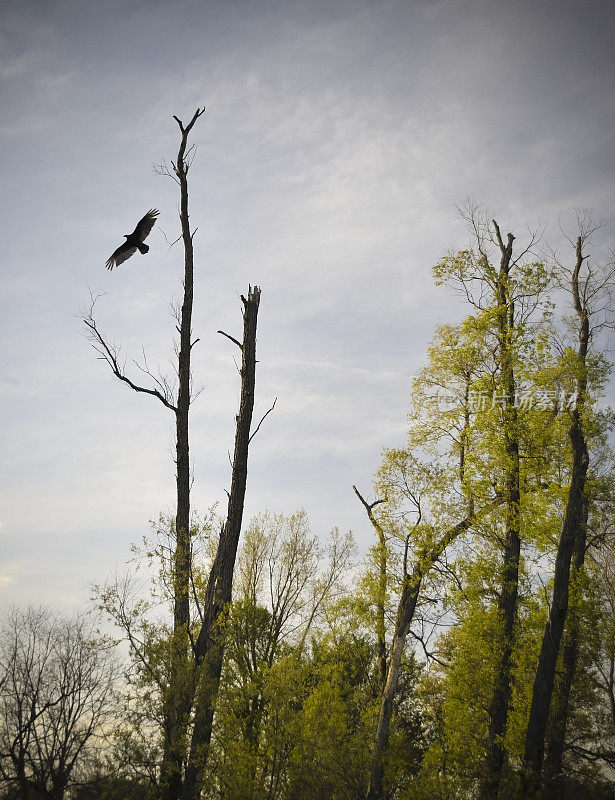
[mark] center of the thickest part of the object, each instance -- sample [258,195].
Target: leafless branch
[163,169]
[368,506]
[266,414]
[429,654]
[110,353]
[167,240]
[232,338]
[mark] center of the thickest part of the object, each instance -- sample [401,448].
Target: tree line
[469,654]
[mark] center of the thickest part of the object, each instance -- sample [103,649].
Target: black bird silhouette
[134,240]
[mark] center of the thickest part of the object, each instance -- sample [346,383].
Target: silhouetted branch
[110,354]
[232,338]
[262,420]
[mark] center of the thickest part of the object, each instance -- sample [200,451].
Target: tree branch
[368,506]
[109,354]
[232,338]
[266,414]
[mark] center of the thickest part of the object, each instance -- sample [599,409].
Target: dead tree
[197,654]
[195,658]
[209,645]
[177,699]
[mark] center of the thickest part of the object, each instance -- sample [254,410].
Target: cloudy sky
[337,139]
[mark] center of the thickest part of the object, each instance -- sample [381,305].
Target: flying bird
[134,240]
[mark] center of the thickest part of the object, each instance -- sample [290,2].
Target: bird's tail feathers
[143,248]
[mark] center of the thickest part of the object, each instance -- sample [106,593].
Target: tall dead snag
[176,704]
[209,645]
[572,534]
[190,685]
[176,701]
[181,615]
[411,587]
[507,600]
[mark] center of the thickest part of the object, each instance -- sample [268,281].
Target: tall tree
[506,288]
[575,519]
[587,588]
[210,641]
[178,701]
[507,601]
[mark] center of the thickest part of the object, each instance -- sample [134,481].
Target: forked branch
[110,353]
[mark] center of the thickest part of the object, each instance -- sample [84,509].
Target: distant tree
[56,701]
[285,582]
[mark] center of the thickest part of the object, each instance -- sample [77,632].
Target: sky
[337,140]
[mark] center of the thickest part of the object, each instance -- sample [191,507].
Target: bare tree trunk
[571,531]
[209,647]
[177,701]
[560,710]
[194,669]
[22,780]
[507,602]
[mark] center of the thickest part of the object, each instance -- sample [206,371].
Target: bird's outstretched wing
[145,225]
[120,255]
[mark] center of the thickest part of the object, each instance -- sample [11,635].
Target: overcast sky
[337,139]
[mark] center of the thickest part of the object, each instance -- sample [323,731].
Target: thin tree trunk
[178,697]
[209,647]
[381,550]
[507,602]
[573,521]
[380,611]
[405,614]
[554,758]
[545,673]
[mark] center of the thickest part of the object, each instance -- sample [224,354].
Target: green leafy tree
[589,291]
